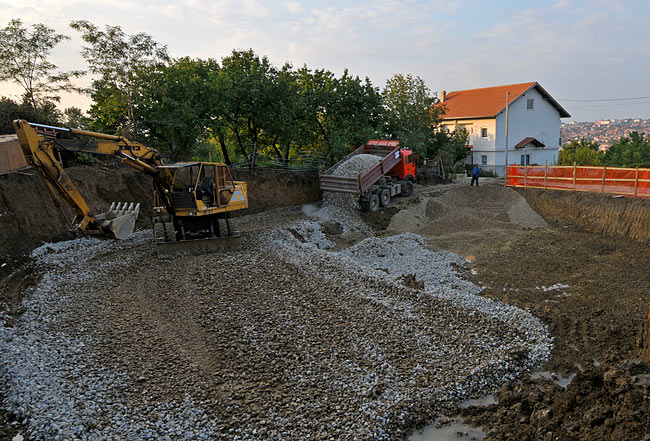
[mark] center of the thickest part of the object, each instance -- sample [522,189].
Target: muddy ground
[590,289]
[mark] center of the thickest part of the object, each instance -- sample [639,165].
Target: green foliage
[174,107]
[24,61]
[582,152]
[629,151]
[411,114]
[74,117]
[9,111]
[109,109]
[453,147]
[120,61]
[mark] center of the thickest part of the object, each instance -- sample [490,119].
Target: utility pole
[507,106]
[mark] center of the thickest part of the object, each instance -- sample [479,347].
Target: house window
[483,159]
[525,159]
[483,132]
[530,103]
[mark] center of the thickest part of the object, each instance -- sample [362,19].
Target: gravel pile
[344,207]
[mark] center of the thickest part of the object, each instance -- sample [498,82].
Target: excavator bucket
[119,220]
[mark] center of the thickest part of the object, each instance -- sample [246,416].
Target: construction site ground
[223,332]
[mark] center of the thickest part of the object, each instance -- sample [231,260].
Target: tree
[119,60]
[75,118]
[24,61]
[9,111]
[338,114]
[175,103]
[629,151]
[412,116]
[582,152]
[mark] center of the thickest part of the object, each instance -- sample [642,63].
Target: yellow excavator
[192,200]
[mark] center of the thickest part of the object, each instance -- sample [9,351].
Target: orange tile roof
[489,101]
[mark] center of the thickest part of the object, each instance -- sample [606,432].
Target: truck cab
[405,169]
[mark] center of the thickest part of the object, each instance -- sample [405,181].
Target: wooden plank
[526,177]
[636,182]
[545,173]
[602,188]
[574,176]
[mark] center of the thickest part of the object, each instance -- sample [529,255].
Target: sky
[577,50]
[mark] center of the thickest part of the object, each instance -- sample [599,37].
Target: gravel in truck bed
[344,207]
[282,339]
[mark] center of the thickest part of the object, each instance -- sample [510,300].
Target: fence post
[545,173]
[602,187]
[574,176]
[526,177]
[636,181]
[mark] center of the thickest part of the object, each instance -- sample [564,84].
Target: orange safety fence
[633,182]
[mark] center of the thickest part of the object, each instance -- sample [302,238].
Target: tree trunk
[224,150]
[242,149]
[275,148]
[287,149]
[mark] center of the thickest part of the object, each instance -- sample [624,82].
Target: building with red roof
[533,124]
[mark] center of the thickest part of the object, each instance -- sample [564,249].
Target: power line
[609,99]
[571,106]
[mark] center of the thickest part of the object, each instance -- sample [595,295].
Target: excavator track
[167,246]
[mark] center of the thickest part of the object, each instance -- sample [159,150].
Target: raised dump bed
[388,150]
[393,175]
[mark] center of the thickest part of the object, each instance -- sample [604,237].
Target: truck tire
[384,197]
[373,203]
[407,188]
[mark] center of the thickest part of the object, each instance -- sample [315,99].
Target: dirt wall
[29,216]
[644,339]
[599,213]
[269,189]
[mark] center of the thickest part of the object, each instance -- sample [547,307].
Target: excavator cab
[194,211]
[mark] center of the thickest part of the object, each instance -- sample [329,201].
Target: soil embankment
[598,213]
[268,189]
[29,216]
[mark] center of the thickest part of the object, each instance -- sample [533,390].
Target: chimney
[443,94]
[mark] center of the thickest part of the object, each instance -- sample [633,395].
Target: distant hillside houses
[604,132]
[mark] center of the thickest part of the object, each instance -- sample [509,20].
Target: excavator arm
[43,153]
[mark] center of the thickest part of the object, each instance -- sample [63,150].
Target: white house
[533,124]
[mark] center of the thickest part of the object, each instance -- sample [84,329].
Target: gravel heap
[466,344]
[344,207]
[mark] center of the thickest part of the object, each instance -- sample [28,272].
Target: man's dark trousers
[474,179]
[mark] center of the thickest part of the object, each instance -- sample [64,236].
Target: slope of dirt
[599,213]
[29,216]
[594,314]
[268,189]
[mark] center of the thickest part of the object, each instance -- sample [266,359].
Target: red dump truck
[393,175]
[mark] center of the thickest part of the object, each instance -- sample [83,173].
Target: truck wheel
[373,203]
[407,188]
[384,197]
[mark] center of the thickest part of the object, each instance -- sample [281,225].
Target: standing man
[476,172]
